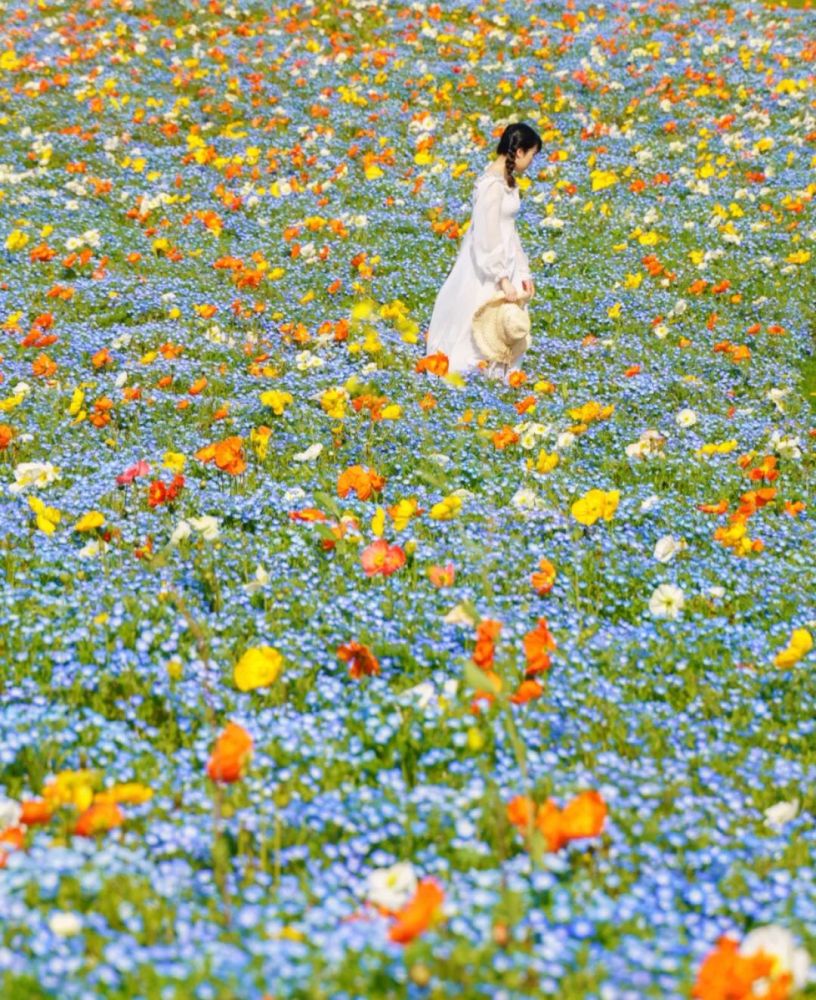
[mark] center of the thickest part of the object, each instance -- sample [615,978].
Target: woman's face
[524,158]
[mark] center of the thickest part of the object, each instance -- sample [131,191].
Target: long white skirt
[460,296]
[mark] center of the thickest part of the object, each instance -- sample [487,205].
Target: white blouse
[490,250]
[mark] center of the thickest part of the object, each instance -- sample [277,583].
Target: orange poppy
[362,481]
[537,644]
[544,579]
[34,811]
[361,661]
[382,558]
[727,975]
[418,913]
[230,754]
[98,818]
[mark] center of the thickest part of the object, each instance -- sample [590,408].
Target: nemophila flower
[230,754]
[767,964]
[47,517]
[667,601]
[544,579]
[258,667]
[362,662]
[382,558]
[33,474]
[390,889]
[420,913]
[667,547]
[99,818]
[364,482]
[594,505]
[228,455]
[582,817]
[799,645]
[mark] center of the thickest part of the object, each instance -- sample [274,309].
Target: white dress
[490,250]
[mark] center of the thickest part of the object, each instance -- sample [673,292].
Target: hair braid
[510,158]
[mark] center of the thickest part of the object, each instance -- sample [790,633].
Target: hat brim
[487,338]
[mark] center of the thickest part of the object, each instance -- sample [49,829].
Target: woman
[491,259]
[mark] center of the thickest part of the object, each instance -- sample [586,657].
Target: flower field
[329,673]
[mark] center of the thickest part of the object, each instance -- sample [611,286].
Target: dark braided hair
[517,136]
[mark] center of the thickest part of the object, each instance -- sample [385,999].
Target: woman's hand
[509,290]
[528,287]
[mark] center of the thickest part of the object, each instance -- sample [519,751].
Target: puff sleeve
[489,254]
[521,257]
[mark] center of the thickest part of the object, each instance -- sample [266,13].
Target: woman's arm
[488,247]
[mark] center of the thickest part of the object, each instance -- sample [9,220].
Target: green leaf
[476,678]
[327,503]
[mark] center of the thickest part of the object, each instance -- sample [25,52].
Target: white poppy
[262,578]
[666,601]
[309,454]
[686,418]
[779,944]
[182,531]
[781,813]
[65,924]
[207,525]
[10,813]
[33,474]
[667,548]
[392,887]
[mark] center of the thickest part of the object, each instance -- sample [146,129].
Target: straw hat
[501,330]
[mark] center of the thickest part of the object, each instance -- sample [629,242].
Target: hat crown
[501,329]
